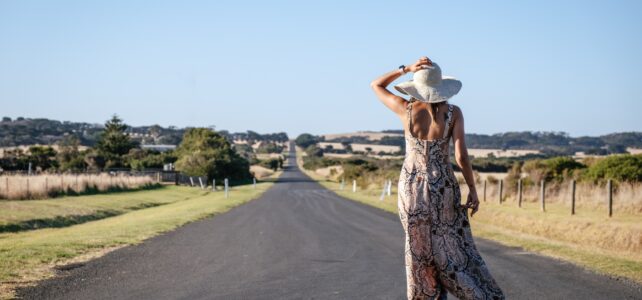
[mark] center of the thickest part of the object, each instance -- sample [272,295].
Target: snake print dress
[440,254]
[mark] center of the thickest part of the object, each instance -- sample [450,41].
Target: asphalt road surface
[300,241]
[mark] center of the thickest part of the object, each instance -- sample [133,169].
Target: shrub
[624,167]
[314,150]
[552,169]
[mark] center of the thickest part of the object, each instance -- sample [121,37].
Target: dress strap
[449,117]
[409,116]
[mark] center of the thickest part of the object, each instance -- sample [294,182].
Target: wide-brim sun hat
[427,85]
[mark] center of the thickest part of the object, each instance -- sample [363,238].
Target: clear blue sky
[301,66]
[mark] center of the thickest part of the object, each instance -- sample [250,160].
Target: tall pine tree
[114,142]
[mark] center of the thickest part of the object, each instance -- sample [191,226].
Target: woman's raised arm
[392,101]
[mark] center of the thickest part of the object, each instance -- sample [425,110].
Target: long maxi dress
[440,254]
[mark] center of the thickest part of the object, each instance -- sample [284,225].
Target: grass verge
[26,257]
[19,215]
[609,246]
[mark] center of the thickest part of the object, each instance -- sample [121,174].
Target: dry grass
[609,245]
[330,172]
[268,155]
[375,148]
[18,187]
[261,172]
[627,197]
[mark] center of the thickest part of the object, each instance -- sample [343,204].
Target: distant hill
[546,142]
[27,131]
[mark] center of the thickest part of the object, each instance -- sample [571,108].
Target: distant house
[159,148]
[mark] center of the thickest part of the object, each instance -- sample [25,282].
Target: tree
[94,161]
[274,164]
[204,152]
[42,158]
[69,158]
[269,147]
[305,140]
[114,143]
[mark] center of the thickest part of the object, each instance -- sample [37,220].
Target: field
[261,172]
[31,255]
[589,238]
[375,148]
[46,186]
[371,135]
[500,152]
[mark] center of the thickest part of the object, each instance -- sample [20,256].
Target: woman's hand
[472,202]
[422,63]
[392,101]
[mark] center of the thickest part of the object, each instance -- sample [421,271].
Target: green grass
[29,256]
[611,246]
[18,215]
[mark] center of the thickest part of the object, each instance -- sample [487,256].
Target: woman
[440,254]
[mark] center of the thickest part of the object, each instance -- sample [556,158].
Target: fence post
[158,177]
[200,181]
[226,187]
[214,185]
[519,193]
[542,195]
[354,185]
[572,197]
[610,191]
[343,183]
[383,191]
[176,175]
[501,190]
[254,183]
[484,190]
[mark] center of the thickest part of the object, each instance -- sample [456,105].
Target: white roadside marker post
[226,188]
[354,186]
[389,187]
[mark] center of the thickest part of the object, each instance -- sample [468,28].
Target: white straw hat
[427,85]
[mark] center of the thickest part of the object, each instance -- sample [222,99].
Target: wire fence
[610,197]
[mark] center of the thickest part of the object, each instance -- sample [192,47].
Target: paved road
[300,241]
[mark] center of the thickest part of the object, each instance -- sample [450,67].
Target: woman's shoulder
[455,108]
